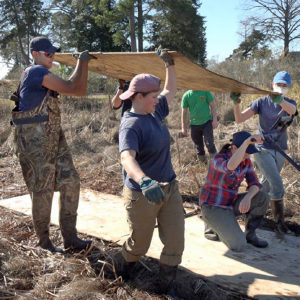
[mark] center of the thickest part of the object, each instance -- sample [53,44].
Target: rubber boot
[76,244]
[277,208]
[167,276]
[252,223]
[46,244]
[123,268]
[210,234]
[69,233]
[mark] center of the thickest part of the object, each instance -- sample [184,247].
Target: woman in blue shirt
[269,161]
[150,190]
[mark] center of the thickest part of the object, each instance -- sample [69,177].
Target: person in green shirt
[203,119]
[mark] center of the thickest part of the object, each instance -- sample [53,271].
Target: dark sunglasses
[47,54]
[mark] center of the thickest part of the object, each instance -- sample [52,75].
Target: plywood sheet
[261,273]
[125,65]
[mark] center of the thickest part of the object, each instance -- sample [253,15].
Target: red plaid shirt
[221,185]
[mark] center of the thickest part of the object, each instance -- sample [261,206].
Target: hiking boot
[123,268]
[210,234]
[251,237]
[166,284]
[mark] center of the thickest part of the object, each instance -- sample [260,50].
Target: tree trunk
[140,25]
[132,28]
[286,36]
[24,55]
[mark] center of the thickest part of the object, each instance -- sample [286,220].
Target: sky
[222,24]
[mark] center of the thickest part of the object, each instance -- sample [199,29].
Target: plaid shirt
[221,185]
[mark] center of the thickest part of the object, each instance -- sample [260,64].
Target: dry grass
[28,272]
[91,129]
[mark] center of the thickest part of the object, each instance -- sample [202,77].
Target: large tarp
[125,65]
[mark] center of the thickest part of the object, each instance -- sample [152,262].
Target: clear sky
[222,24]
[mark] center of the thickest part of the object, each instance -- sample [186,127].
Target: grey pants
[223,221]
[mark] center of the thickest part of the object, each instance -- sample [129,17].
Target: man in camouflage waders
[41,146]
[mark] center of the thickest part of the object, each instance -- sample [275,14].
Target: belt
[30,120]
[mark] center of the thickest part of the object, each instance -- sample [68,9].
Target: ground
[27,272]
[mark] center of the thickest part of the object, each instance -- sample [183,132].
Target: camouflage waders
[47,166]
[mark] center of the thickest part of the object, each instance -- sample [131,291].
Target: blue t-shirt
[269,112]
[31,90]
[149,136]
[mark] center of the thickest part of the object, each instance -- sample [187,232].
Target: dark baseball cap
[238,139]
[41,43]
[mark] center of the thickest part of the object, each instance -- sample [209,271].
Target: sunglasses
[47,54]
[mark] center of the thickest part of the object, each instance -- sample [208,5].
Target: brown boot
[277,208]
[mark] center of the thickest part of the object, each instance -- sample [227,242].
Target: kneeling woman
[219,197]
[150,189]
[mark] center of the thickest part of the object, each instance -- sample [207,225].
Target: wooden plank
[126,65]
[261,273]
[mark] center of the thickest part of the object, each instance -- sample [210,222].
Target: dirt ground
[27,272]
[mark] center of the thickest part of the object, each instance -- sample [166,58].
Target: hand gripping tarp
[125,65]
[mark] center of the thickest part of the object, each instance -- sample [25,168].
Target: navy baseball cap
[41,43]
[283,77]
[238,139]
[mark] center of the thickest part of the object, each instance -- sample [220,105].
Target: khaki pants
[223,221]
[142,216]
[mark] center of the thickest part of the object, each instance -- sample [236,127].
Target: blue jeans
[270,163]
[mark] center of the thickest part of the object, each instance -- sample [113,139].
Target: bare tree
[279,19]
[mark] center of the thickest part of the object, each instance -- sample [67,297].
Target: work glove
[84,56]
[235,97]
[165,56]
[151,190]
[277,98]
[121,84]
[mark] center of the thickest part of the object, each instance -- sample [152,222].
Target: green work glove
[277,98]
[165,56]
[151,190]
[236,97]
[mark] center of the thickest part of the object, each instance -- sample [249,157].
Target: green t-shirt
[198,104]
